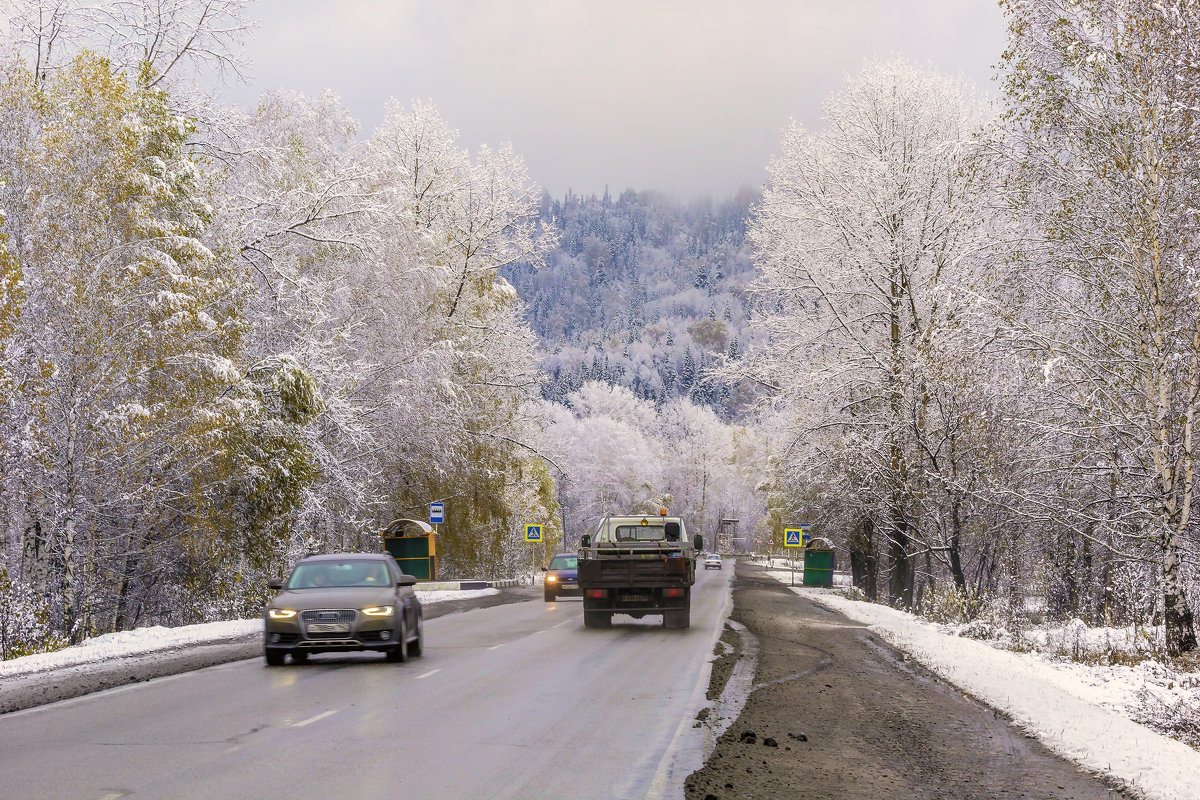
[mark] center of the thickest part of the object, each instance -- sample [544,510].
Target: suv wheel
[399,653]
[274,658]
[417,645]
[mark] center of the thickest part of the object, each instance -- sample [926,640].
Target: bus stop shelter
[411,542]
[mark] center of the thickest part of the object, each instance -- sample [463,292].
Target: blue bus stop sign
[437,513]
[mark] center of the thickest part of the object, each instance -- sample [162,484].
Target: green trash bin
[818,563]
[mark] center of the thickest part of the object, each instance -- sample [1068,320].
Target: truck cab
[638,565]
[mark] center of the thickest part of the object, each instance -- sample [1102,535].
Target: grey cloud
[686,96]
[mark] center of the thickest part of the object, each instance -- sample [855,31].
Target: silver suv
[340,602]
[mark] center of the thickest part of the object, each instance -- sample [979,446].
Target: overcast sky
[685,96]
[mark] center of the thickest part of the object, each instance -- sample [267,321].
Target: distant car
[712,561]
[343,602]
[562,576]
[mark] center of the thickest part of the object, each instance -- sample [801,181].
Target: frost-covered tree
[1102,98]
[620,454]
[137,321]
[167,36]
[868,234]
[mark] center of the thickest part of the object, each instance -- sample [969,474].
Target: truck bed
[635,567]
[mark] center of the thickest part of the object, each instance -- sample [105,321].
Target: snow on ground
[130,643]
[1079,711]
[141,641]
[427,598]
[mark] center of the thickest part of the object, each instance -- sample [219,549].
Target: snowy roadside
[143,641]
[1079,711]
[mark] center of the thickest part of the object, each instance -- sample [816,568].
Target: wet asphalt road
[516,700]
[39,688]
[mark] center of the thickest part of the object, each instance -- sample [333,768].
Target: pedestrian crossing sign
[792,537]
[533,533]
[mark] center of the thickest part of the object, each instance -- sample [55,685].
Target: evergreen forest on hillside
[643,292]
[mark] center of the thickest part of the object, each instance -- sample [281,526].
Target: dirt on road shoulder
[837,713]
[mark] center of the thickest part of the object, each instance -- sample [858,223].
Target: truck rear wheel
[597,619]
[678,619]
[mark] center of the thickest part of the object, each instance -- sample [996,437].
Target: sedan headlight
[551,578]
[280,613]
[379,611]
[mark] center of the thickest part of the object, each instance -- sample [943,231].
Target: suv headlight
[280,613]
[379,611]
[551,578]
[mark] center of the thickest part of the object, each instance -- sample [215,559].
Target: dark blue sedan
[562,576]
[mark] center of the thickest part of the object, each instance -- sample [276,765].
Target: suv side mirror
[585,540]
[698,543]
[275,586]
[406,580]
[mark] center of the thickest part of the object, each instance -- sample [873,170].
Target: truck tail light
[600,593]
[672,592]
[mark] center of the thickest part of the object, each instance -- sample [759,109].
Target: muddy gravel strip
[727,651]
[39,688]
[836,713]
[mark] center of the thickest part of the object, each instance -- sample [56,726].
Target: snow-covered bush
[982,630]
[948,605]
[1175,713]
[852,593]
[24,622]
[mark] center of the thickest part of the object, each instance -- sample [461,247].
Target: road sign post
[533,533]
[792,537]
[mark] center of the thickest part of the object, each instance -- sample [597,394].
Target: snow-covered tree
[1102,98]
[868,236]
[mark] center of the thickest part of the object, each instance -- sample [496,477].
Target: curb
[453,586]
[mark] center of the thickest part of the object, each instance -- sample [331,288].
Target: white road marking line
[318,717]
[427,674]
[493,647]
[564,622]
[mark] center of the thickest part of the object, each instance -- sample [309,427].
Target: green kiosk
[818,562]
[411,542]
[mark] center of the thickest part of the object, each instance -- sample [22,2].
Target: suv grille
[329,615]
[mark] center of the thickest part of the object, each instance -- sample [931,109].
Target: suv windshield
[564,562]
[319,574]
